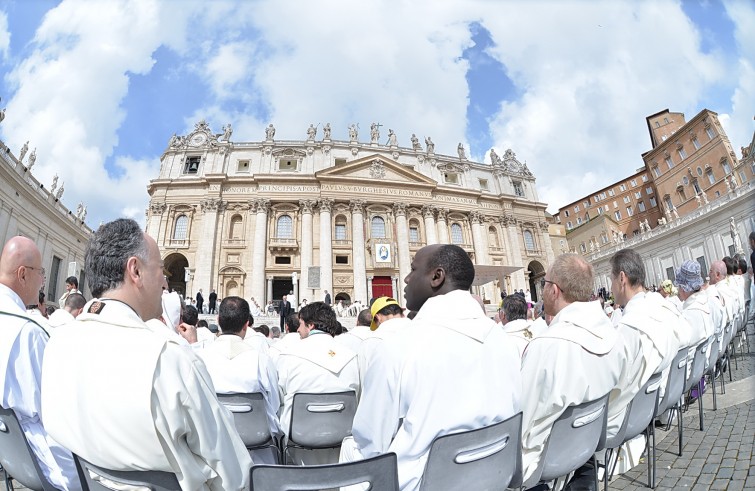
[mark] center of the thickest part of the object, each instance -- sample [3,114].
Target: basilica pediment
[376,169]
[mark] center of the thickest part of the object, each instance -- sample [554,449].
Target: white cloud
[4,35]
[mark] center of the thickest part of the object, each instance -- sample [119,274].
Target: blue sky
[98,87]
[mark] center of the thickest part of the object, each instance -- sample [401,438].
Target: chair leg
[700,402]
[652,479]
[647,448]
[713,384]
[606,468]
[680,429]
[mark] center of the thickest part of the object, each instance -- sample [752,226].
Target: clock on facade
[198,139]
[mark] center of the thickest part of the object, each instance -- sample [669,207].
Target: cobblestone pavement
[721,457]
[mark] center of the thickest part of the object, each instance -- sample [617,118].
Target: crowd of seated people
[130,380]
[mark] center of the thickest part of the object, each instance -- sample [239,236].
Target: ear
[438,278]
[133,273]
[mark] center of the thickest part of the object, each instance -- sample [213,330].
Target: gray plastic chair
[16,456]
[671,401]
[321,420]
[699,367]
[713,366]
[573,440]
[637,420]
[489,457]
[250,418]
[96,478]
[381,472]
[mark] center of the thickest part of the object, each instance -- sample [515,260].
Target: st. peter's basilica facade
[262,219]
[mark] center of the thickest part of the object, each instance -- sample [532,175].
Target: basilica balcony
[533,252]
[176,243]
[416,244]
[341,244]
[286,244]
[496,250]
[234,243]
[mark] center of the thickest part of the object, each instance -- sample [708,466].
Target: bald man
[22,347]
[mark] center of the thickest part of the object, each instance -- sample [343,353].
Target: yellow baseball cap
[379,304]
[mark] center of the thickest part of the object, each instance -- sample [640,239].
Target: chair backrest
[249,416]
[728,334]
[381,472]
[574,438]
[698,363]
[16,456]
[675,384]
[489,457]
[639,413]
[322,420]
[715,349]
[96,478]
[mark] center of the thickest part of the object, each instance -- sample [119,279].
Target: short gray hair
[108,252]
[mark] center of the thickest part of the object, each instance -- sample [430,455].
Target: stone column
[155,213]
[206,246]
[306,206]
[427,212]
[259,252]
[369,291]
[402,239]
[515,259]
[326,249]
[269,290]
[443,237]
[358,251]
[546,247]
[475,218]
[394,288]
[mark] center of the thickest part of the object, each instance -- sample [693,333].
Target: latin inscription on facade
[343,188]
[238,189]
[288,188]
[455,199]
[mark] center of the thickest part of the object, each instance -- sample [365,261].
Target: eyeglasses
[41,270]
[544,281]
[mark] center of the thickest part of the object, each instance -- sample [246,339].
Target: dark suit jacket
[327,299]
[200,301]
[213,298]
[285,309]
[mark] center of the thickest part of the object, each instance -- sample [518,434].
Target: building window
[610,192]
[617,215]
[568,225]
[342,259]
[285,227]
[669,203]
[288,165]
[243,166]
[529,241]
[699,171]
[653,202]
[451,177]
[669,162]
[600,210]
[566,213]
[742,176]
[378,228]
[456,236]
[727,168]
[627,200]
[638,194]
[682,194]
[622,187]
[234,231]
[641,206]
[52,289]
[579,220]
[657,171]
[709,131]
[192,165]
[633,182]
[340,231]
[615,204]
[413,233]
[493,237]
[685,180]
[181,227]
[518,190]
[484,184]
[697,187]
[586,204]
[695,143]
[282,259]
[576,209]
[582,247]
[649,190]
[711,177]
[644,178]
[630,211]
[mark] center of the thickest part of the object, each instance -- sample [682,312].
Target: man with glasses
[577,359]
[22,349]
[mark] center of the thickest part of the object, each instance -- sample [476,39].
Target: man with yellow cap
[387,321]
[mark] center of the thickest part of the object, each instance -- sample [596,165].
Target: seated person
[74,305]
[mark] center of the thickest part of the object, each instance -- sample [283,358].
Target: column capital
[399,209]
[508,220]
[212,205]
[357,205]
[428,211]
[475,217]
[544,226]
[326,204]
[442,213]
[260,205]
[307,205]
[157,208]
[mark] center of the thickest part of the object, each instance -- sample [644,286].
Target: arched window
[341,228]
[181,227]
[456,235]
[285,227]
[529,241]
[378,228]
[493,237]
[413,231]
[234,231]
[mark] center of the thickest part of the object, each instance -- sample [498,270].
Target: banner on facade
[313,277]
[382,253]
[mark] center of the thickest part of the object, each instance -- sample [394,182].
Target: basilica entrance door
[381,287]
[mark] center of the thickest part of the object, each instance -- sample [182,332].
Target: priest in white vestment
[237,368]
[579,358]
[22,349]
[72,286]
[513,315]
[316,364]
[133,399]
[387,321]
[649,345]
[353,338]
[73,307]
[451,370]
[287,340]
